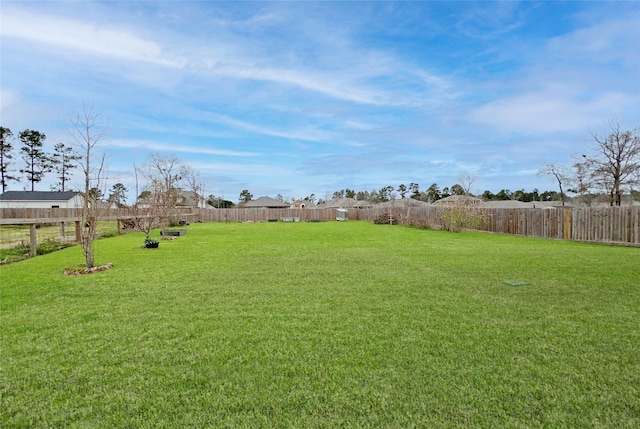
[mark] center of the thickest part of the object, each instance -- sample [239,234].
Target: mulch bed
[75,272]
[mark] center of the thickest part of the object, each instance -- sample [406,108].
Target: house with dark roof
[40,200]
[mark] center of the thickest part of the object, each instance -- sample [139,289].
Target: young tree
[6,156]
[163,175]
[87,130]
[37,161]
[616,161]
[559,173]
[63,160]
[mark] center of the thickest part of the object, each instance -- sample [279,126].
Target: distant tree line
[611,167]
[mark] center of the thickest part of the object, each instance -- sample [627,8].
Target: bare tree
[194,184]
[581,180]
[163,174]
[616,161]
[466,181]
[560,173]
[88,131]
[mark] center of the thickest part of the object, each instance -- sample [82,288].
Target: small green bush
[49,245]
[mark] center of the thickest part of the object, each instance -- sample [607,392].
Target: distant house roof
[403,203]
[38,196]
[301,204]
[345,203]
[459,199]
[266,203]
[506,204]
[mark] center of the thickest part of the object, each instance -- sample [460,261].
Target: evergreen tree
[118,194]
[6,156]
[37,161]
[63,161]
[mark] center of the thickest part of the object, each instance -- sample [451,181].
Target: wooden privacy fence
[596,224]
[264,215]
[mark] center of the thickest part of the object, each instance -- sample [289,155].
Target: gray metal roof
[38,196]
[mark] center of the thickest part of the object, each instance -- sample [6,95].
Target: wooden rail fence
[595,224]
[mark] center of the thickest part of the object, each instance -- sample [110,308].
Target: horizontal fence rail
[594,224]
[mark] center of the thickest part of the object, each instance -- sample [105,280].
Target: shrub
[151,243]
[49,245]
[459,216]
[386,218]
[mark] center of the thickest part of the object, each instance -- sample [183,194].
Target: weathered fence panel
[596,224]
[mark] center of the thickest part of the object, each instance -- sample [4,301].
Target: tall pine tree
[63,160]
[37,161]
[6,156]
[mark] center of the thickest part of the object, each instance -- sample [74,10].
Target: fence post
[566,225]
[78,231]
[33,245]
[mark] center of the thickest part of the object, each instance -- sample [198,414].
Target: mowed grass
[323,325]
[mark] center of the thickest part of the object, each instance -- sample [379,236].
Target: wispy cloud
[163,147]
[306,134]
[64,33]
[286,95]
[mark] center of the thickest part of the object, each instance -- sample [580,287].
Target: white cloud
[82,36]
[545,113]
[306,134]
[163,147]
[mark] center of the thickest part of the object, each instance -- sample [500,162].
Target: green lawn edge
[323,325]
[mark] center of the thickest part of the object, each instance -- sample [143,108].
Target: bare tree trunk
[88,131]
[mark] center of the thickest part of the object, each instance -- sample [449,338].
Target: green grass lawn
[322,325]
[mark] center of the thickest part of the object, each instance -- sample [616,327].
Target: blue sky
[295,98]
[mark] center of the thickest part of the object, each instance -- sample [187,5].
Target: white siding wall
[74,203]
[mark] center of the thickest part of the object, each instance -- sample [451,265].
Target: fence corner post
[33,245]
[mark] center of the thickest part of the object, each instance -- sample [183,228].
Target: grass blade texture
[323,325]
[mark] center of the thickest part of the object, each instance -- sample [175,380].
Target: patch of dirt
[75,272]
